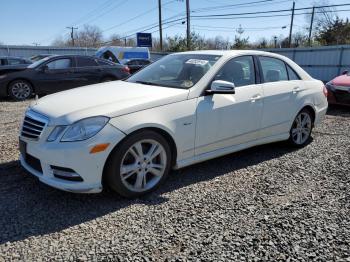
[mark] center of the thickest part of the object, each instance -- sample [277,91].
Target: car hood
[343,80]
[110,99]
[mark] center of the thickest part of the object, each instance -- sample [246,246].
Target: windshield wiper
[147,83]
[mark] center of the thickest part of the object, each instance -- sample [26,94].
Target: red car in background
[339,89]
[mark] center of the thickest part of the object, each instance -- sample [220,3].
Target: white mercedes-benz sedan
[183,109]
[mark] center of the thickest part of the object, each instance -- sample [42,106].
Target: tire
[130,172]
[20,90]
[300,132]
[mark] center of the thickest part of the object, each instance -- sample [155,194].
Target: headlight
[56,133]
[84,129]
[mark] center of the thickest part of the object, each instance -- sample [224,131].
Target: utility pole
[275,40]
[160,24]
[188,24]
[125,41]
[291,26]
[72,33]
[311,22]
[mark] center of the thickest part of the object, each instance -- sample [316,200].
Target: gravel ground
[266,203]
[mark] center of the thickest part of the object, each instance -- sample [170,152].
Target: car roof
[231,52]
[75,56]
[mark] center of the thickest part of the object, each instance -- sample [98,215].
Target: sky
[30,22]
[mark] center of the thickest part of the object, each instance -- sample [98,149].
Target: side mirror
[221,87]
[345,72]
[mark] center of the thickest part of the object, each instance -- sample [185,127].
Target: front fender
[177,119]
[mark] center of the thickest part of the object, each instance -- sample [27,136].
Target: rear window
[291,73]
[105,63]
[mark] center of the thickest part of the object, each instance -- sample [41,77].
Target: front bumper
[72,155]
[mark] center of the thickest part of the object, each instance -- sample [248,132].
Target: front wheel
[20,90]
[139,165]
[300,132]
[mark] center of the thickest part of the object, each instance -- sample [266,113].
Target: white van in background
[121,54]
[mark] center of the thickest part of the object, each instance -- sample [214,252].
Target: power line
[137,16]
[146,29]
[99,8]
[266,12]
[106,4]
[260,16]
[118,5]
[242,5]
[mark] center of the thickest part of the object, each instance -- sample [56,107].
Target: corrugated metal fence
[28,51]
[322,63]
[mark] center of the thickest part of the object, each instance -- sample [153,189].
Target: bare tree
[60,41]
[89,36]
[116,40]
[324,16]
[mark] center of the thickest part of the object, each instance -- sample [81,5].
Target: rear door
[280,96]
[58,75]
[87,71]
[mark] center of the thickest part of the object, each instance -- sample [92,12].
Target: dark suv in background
[57,73]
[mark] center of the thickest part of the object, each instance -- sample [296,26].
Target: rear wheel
[20,90]
[300,132]
[139,165]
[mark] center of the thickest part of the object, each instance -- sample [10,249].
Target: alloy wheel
[21,90]
[143,165]
[301,128]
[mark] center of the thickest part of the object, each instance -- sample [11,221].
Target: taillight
[325,91]
[126,69]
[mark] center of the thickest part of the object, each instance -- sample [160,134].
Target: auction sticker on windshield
[197,62]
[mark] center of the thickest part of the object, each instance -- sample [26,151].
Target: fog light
[65,173]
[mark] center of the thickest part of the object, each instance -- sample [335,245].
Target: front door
[225,120]
[58,76]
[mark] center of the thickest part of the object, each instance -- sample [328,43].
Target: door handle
[255,98]
[296,89]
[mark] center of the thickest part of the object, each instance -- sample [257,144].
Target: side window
[273,69]
[104,62]
[85,62]
[133,62]
[291,73]
[59,64]
[239,70]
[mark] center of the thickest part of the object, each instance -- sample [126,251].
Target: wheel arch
[165,134]
[312,111]
[20,78]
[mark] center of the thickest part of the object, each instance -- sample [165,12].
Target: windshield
[178,70]
[38,63]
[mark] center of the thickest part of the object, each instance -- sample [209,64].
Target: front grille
[33,125]
[33,163]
